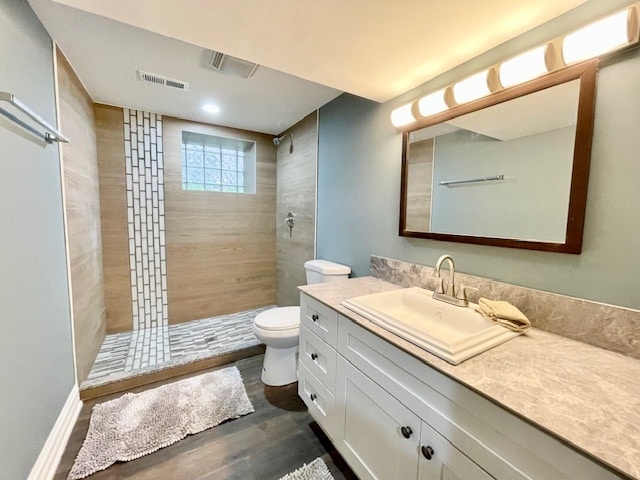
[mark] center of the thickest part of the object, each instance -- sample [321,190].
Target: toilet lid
[281,318]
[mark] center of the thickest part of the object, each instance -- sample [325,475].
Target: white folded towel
[503,313]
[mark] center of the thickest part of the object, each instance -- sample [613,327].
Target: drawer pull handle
[313,397]
[406,431]
[314,317]
[314,356]
[427,452]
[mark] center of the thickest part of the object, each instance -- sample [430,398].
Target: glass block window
[217,164]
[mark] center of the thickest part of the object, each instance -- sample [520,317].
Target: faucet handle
[462,292]
[439,285]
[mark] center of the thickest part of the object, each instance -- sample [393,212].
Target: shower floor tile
[129,354]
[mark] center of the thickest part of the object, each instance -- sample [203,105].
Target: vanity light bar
[598,38]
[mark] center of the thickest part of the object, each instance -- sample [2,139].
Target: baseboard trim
[50,455]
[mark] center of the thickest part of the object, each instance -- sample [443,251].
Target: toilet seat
[276,319]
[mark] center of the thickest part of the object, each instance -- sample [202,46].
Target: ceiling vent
[162,80]
[235,67]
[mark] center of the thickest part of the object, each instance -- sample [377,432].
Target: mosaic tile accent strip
[149,346]
[129,354]
[145,209]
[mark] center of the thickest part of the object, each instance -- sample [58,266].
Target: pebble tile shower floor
[128,354]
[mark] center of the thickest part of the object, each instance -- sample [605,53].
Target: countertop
[586,396]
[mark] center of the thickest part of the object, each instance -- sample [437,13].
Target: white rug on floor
[316,470]
[135,425]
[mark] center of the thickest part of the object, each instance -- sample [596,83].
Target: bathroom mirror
[507,170]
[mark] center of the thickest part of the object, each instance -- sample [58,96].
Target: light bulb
[402,116]
[471,88]
[432,103]
[523,67]
[596,39]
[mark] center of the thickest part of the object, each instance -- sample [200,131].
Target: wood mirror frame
[586,73]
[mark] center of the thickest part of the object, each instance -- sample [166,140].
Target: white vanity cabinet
[387,412]
[380,438]
[317,361]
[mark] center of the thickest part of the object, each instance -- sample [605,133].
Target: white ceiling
[546,110]
[309,51]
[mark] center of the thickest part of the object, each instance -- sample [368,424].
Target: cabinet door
[379,436]
[440,460]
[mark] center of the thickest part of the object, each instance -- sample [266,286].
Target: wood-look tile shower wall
[82,211]
[220,247]
[113,216]
[297,194]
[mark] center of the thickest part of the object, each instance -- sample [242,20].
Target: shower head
[278,140]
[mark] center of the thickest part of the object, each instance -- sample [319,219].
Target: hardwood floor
[277,438]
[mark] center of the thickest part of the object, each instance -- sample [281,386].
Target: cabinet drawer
[319,357]
[319,401]
[320,319]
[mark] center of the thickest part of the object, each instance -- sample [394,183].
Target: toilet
[279,328]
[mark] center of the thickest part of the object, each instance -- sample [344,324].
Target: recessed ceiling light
[211,108]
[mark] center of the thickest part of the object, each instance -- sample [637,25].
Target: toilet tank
[320,271]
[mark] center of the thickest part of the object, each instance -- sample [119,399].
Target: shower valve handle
[289,221]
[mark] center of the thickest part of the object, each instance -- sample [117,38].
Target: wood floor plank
[279,437]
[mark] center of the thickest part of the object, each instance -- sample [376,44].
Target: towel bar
[473,180]
[50,136]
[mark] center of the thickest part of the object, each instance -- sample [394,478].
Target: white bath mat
[316,470]
[135,425]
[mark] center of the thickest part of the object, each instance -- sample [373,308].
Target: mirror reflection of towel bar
[473,180]
[50,136]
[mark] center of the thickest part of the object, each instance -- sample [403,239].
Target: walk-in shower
[129,354]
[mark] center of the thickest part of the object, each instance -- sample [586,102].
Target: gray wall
[359,186]
[37,373]
[530,203]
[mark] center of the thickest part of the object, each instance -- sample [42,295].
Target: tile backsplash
[606,326]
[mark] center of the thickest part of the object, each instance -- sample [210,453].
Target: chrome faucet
[451,293]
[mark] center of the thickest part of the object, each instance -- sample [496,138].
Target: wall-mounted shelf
[51,135]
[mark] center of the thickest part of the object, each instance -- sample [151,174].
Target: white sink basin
[450,332]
